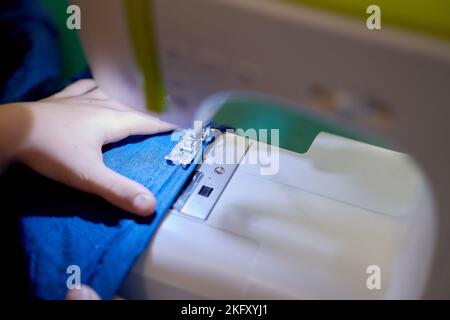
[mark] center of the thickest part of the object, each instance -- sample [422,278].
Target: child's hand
[61,137]
[85,293]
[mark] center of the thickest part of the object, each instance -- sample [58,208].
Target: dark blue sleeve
[31,59]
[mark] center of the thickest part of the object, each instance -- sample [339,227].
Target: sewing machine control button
[219,170]
[205,191]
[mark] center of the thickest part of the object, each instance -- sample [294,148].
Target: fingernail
[144,203]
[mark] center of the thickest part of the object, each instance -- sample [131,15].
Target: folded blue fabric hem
[63,227]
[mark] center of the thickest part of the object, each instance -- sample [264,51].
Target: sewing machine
[318,226]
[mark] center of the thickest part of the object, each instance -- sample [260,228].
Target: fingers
[141,123]
[95,93]
[87,90]
[75,89]
[114,104]
[120,191]
[84,293]
[98,97]
[135,123]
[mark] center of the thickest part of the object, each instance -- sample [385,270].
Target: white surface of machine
[312,229]
[309,231]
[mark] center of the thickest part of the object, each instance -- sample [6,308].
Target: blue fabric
[30,70]
[62,227]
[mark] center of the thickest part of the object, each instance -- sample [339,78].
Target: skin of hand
[61,137]
[85,293]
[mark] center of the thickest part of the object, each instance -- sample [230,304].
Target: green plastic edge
[143,40]
[298,129]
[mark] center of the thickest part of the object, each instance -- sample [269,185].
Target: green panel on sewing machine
[297,129]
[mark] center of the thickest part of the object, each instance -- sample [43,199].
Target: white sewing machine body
[312,229]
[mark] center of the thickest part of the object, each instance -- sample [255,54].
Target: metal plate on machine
[201,194]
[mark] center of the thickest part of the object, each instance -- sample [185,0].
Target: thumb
[120,191]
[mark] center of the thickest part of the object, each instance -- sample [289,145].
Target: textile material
[61,227]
